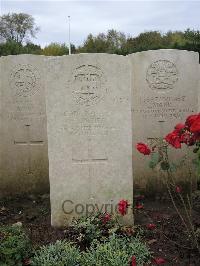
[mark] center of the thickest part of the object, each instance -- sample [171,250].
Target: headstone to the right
[164,93]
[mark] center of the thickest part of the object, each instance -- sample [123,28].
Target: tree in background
[192,38]
[111,42]
[55,49]
[17,27]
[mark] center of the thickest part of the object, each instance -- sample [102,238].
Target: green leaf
[155,158]
[173,167]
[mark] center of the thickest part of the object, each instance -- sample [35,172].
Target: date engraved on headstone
[162,75]
[88,83]
[25,81]
[86,123]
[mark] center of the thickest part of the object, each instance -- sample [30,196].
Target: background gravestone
[89,135]
[164,92]
[24,159]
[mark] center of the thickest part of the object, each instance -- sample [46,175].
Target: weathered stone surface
[164,93]
[24,158]
[89,134]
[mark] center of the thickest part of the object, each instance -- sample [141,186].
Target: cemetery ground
[155,220]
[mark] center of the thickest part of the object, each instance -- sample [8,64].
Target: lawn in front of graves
[158,236]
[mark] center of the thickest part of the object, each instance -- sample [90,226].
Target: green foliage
[92,227]
[55,49]
[112,42]
[62,253]
[196,161]
[155,159]
[14,245]
[118,43]
[116,251]
[14,48]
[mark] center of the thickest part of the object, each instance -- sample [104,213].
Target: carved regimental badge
[88,85]
[162,75]
[24,80]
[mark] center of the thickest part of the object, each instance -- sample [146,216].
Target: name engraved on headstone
[163,107]
[85,123]
[162,75]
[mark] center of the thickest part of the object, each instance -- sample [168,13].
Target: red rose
[159,261]
[123,206]
[190,120]
[174,139]
[133,261]
[151,226]
[143,148]
[195,127]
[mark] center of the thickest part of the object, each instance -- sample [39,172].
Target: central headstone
[89,135]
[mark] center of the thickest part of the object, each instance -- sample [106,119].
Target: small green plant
[15,245]
[116,251]
[94,227]
[62,253]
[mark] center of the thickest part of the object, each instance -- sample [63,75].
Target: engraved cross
[90,160]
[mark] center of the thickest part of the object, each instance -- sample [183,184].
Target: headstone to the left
[24,160]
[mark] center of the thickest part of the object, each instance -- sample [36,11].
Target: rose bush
[188,134]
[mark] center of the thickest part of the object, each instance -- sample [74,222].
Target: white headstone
[89,135]
[24,158]
[164,93]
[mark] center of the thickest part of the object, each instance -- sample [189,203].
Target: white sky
[130,17]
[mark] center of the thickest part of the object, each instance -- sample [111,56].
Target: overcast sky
[130,17]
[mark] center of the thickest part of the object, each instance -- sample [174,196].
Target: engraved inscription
[162,75]
[88,83]
[85,123]
[25,80]
[164,107]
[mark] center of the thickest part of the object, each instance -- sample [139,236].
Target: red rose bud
[106,218]
[174,139]
[133,261]
[159,261]
[143,148]
[178,189]
[151,226]
[123,206]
